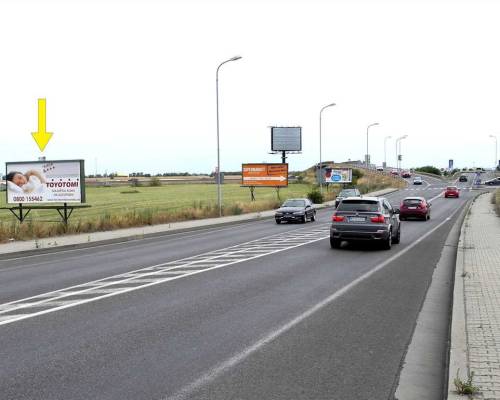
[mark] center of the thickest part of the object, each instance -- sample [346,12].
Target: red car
[415,207]
[451,191]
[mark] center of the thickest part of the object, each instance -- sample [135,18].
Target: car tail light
[337,218]
[378,219]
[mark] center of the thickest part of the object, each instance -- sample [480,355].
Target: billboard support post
[252,193]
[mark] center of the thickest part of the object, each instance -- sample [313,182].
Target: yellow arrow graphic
[42,137]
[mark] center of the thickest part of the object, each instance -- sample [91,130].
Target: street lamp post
[219,193]
[320,162]
[367,129]
[385,150]
[496,150]
[398,150]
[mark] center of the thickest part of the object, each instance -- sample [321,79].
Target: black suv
[365,219]
[462,178]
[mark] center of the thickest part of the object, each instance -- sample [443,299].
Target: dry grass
[495,200]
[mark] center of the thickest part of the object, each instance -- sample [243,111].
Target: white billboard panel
[337,175]
[36,182]
[286,138]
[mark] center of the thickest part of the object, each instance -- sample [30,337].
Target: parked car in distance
[381,169]
[417,180]
[463,178]
[365,219]
[346,193]
[394,172]
[493,182]
[295,210]
[406,174]
[415,207]
[451,191]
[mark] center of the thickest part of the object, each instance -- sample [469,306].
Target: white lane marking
[173,235]
[224,366]
[154,275]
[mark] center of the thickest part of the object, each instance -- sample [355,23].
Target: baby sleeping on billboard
[44,182]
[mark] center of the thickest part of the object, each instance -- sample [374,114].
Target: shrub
[429,169]
[315,196]
[134,182]
[155,181]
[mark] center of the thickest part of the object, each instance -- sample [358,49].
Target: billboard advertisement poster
[36,182]
[264,175]
[286,138]
[450,164]
[337,175]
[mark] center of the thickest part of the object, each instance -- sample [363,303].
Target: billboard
[274,175]
[286,138]
[337,175]
[450,164]
[34,182]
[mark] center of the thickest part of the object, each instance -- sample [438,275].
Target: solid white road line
[226,365]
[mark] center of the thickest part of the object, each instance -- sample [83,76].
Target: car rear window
[358,205]
[294,203]
[411,202]
[347,193]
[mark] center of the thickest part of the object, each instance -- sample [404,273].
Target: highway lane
[155,341]
[28,276]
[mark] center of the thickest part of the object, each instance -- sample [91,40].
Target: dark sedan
[493,182]
[295,210]
[365,219]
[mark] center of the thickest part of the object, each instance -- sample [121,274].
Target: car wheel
[387,244]
[396,239]
[428,216]
[313,217]
[401,218]
[335,243]
[278,221]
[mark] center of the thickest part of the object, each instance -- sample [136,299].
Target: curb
[422,375]
[458,354]
[246,218]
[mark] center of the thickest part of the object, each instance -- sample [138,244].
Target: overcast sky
[131,84]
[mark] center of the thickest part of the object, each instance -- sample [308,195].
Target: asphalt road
[252,311]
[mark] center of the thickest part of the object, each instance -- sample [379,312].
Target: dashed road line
[123,283]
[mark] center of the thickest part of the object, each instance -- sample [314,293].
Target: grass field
[115,207]
[121,207]
[168,198]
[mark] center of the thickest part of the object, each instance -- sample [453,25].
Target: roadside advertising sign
[36,182]
[286,138]
[266,175]
[337,175]
[450,164]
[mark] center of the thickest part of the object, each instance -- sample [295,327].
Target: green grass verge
[121,207]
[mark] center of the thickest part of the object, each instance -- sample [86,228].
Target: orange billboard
[274,175]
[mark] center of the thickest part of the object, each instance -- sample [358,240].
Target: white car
[417,180]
